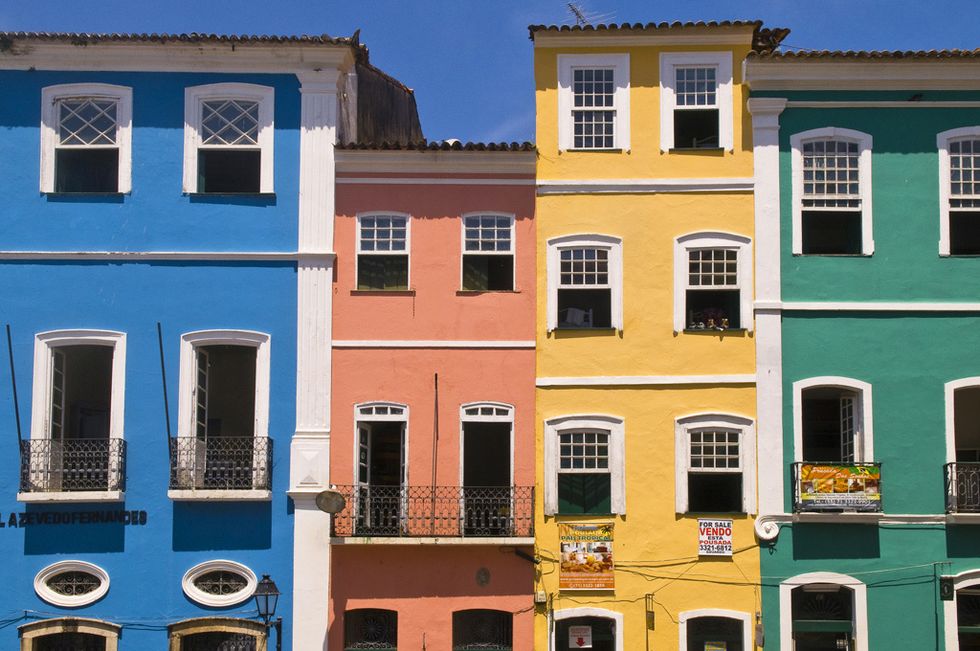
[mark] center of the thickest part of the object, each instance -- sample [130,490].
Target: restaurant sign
[854,488]
[586,557]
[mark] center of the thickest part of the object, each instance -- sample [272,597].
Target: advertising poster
[586,557]
[716,646]
[579,637]
[714,539]
[855,488]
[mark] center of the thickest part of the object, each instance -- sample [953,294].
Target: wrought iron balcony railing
[962,487]
[836,487]
[444,511]
[52,466]
[221,463]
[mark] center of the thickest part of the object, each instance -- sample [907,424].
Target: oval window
[219,583]
[71,583]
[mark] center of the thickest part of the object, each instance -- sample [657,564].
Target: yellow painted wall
[655,550]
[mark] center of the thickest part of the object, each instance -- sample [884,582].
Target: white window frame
[52,95]
[195,96]
[713,240]
[865,143]
[951,625]
[407,252]
[187,583]
[620,65]
[684,617]
[943,140]
[613,245]
[45,592]
[400,418]
[464,252]
[864,439]
[496,418]
[722,62]
[586,611]
[553,427]
[949,391]
[859,590]
[746,450]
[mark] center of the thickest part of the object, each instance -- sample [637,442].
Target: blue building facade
[164,264]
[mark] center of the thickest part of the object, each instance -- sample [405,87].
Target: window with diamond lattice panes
[584,480]
[695,108]
[713,297]
[382,252]
[831,204]
[87,151]
[370,628]
[593,112]
[964,197]
[584,290]
[229,156]
[714,471]
[488,253]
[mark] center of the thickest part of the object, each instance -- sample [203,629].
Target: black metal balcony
[50,466]
[221,463]
[962,487]
[444,511]
[836,487]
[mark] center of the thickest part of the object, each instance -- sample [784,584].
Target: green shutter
[589,493]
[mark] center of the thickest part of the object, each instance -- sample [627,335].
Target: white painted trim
[951,624]
[465,418]
[713,240]
[624,38]
[408,243]
[949,392]
[877,104]
[746,446]
[858,590]
[612,244]
[70,601]
[189,342]
[428,343]
[763,521]
[441,541]
[197,595]
[907,74]
[513,243]
[374,418]
[722,62]
[44,342]
[864,143]
[875,306]
[864,445]
[744,618]
[643,380]
[194,96]
[400,180]
[620,64]
[415,162]
[943,140]
[143,256]
[617,456]
[643,186]
[219,495]
[62,497]
[51,95]
[571,613]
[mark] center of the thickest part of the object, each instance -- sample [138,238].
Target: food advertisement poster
[586,557]
[714,537]
[854,488]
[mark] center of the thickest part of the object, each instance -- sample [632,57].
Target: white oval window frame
[205,599]
[70,601]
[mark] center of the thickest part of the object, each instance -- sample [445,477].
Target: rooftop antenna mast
[580,18]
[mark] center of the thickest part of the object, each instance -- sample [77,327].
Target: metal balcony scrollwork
[963,487]
[221,463]
[53,466]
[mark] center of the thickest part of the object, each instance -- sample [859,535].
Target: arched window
[584,465]
[73,633]
[731,627]
[482,629]
[712,282]
[370,628]
[380,468]
[714,458]
[585,282]
[603,627]
[486,469]
[962,613]
[210,633]
[959,191]
[823,610]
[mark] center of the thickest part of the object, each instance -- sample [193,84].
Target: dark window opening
[86,170]
[696,129]
[823,617]
[69,642]
[488,272]
[964,233]
[483,630]
[218,641]
[829,422]
[226,391]
[584,308]
[229,171]
[966,424]
[81,392]
[725,632]
[370,628]
[714,493]
[603,632]
[831,232]
[384,272]
[584,493]
[713,308]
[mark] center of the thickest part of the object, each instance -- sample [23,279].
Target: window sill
[833,255]
[963,518]
[478,292]
[71,496]
[433,540]
[382,292]
[840,517]
[696,150]
[219,495]
[85,194]
[713,331]
[262,195]
[583,329]
[716,515]
[612,150]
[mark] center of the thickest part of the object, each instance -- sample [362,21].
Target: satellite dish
[330,501]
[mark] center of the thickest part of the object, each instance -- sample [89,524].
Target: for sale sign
[714,537]
[579,637]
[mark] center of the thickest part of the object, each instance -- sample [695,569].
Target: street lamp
[266,599]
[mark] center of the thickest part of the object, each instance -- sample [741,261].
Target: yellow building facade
[646,394]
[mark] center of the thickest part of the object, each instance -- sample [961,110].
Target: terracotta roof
[763,40]
[862,55]
[81,38]
[439,145]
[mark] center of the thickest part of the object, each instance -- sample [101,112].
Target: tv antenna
[580,18]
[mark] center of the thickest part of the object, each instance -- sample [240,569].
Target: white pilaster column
[768,316]
[309,458]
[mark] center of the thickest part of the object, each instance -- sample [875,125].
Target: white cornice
[644,186]
[141,256]
[867,306]
[880,104]
[428,180]
[643,380]
[566,40]
[440,162]
[429,343]
[810,74]
[177,57]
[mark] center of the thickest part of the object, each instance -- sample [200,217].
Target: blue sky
[470,62]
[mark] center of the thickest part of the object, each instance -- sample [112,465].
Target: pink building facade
[432,435]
